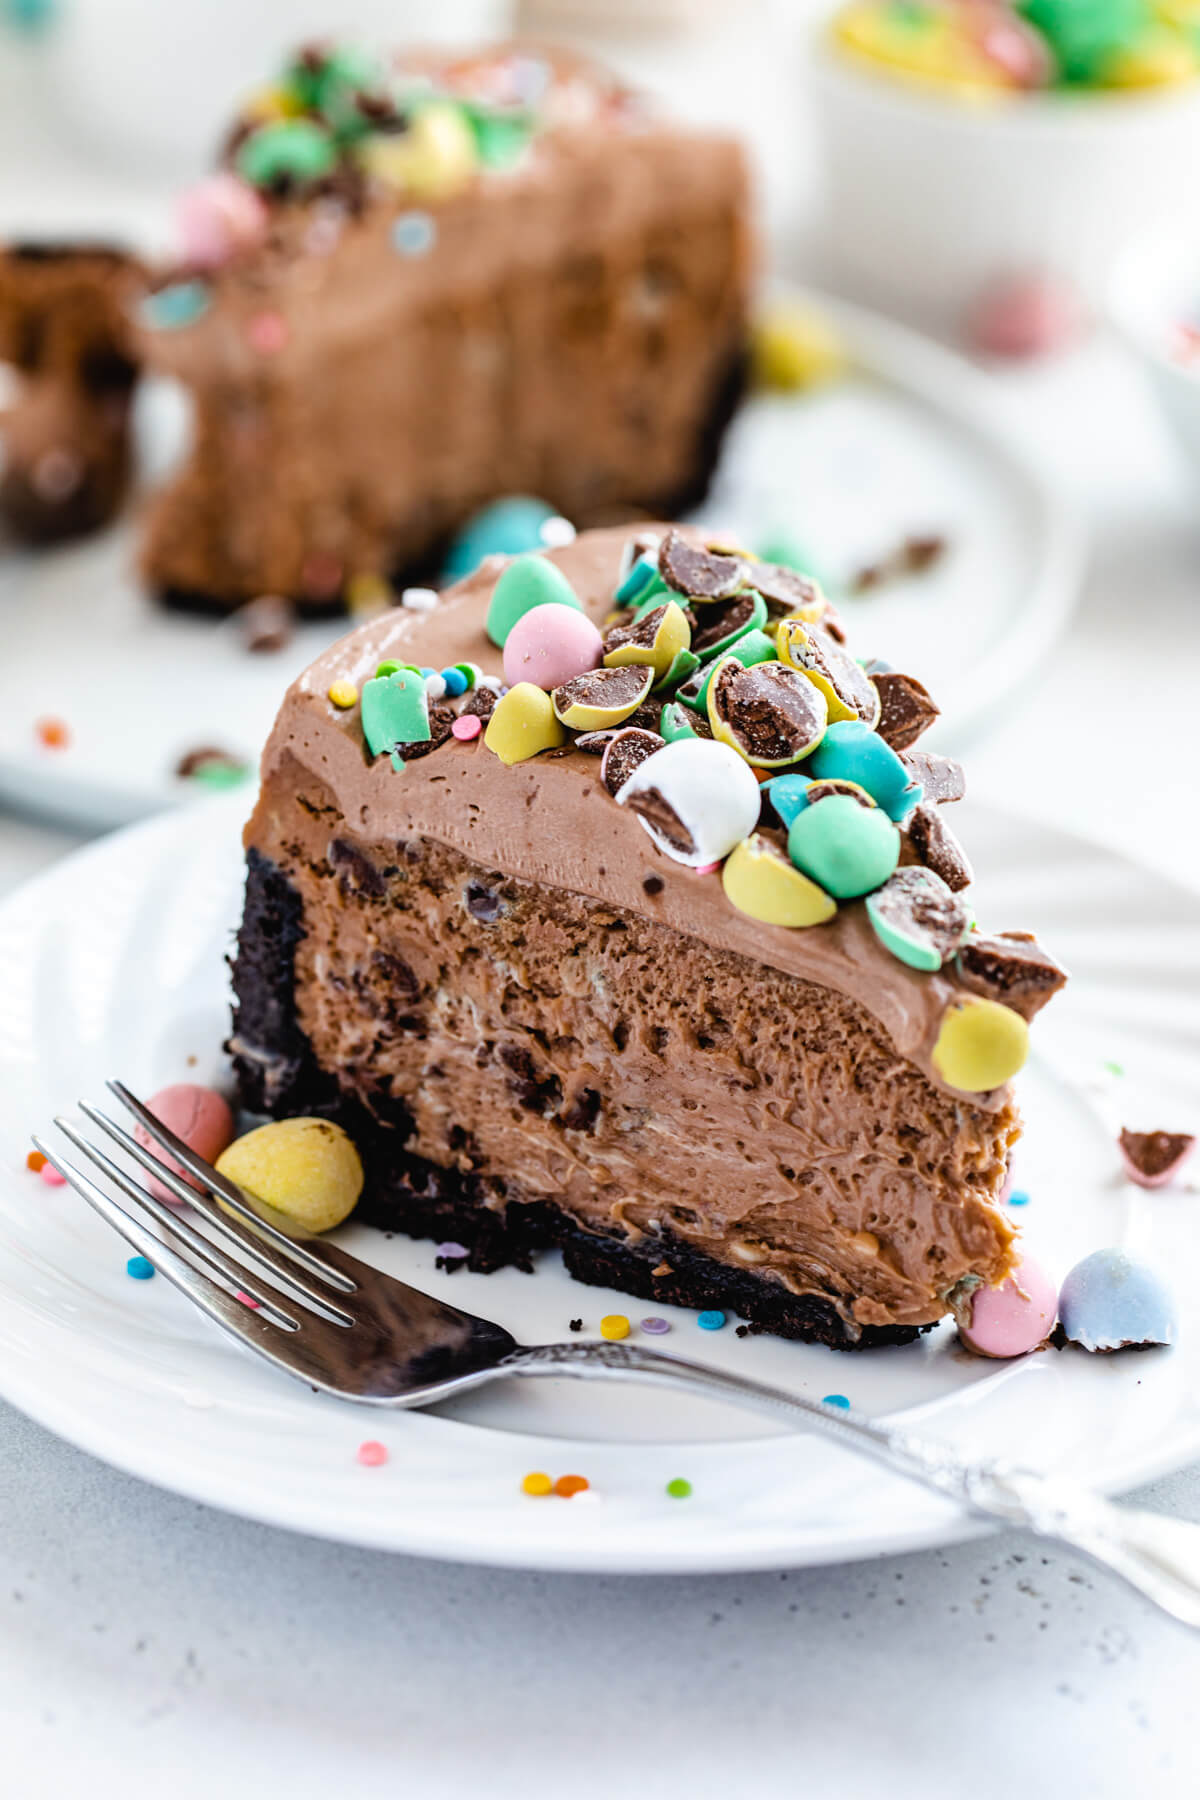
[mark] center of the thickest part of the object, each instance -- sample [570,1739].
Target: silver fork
[321,1315]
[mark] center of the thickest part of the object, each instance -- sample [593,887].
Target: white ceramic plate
[112,963]
[912,444]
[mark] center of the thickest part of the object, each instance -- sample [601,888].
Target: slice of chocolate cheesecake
[640,956]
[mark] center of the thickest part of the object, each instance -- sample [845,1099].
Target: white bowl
[930,199]
[1155,287]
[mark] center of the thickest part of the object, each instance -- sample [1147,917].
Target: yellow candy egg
[794,346]
[1158,57]
[760,881]
[980,1045]
[435,157]
[925,43]
[306,1169]
[654,642]
[522,724]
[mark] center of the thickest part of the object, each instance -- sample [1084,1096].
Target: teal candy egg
[847,849]
[788,794]
[527,582]
[851,751]
[505,528]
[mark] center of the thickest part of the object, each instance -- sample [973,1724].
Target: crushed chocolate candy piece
[906,709]
[937,847]
[207,761]
[720,624]
[940,776]
[700,574]
[480,703]
[266,624]
[918,918]
[441,721]
[625,750]
[1014,970]
[849,692]
[602,697]
[770,714]
[783,589]
[1154,1158]
[595,743]
[911,557]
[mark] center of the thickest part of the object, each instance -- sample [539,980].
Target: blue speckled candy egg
[506,528]
[1111,1302]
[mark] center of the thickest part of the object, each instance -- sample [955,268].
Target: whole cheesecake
[665,961]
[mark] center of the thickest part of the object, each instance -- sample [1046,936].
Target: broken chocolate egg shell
[602,697]
[700,574]
[769,714]
[848,689]
[786,591]
[654,641]
[1153,1159]
[623,753]
[916,916]
[761,882]
[724,621]
[696,798]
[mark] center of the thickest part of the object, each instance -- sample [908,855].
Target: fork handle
[1157,1556]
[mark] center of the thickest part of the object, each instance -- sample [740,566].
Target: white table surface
[147,1643]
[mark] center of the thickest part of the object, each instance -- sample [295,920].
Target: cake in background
[65,463]
[608,904]
[420,285]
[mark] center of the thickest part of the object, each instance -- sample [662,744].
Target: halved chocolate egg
[770,714]
[601,697]
[848,689]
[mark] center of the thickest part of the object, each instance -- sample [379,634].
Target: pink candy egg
[218,217]
[1030,315]
[549,645]
[1011,1319]
[196,1114]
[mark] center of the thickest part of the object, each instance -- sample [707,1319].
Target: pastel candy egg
[770,714]
[795,346]
[848,689]
[676,722]
[723,622]
[918,918]
[655,639]
[294,150]
[436,157]
[198,1115]
[550,646]
[217,218]
[306,1169]
[522,724]
[1012,1319]
[696,798]
[760,881]
[527,582]
[851,751]
[1156,57]
[602,698]
[1110,1302]
[845,848]
[790,794]
[751,648]
[506,528]
[639,581]
[980,1044]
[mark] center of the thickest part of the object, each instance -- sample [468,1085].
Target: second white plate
[910,444]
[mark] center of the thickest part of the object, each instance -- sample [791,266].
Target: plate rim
[49,1405]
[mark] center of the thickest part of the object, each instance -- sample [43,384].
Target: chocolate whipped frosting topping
[549,819]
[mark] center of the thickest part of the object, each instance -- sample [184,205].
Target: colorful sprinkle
[140,1268]
[35,1162]
[454,682]
[679,1488]
[614,1326]
[51,1176]
[538,1484]
[343,693]
[248,1300]
[710,1321]
[1018,1197]
[418,599]
[838,1400]
[1113,1068]
[52,734]
[451,1250]
[556,532]
[174,307]
[467,727]
[655,1326]
[372,1454]
[267,333]
[567,1486]
[414,234]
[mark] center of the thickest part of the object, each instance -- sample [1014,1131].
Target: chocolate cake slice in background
[436,284]
[543,1028]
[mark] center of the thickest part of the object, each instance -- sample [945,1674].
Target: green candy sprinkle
[679,1489]
[385,669]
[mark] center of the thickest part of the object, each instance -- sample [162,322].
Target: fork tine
[218,1266]
[255,1326]
[218,1185]
[270,1266]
